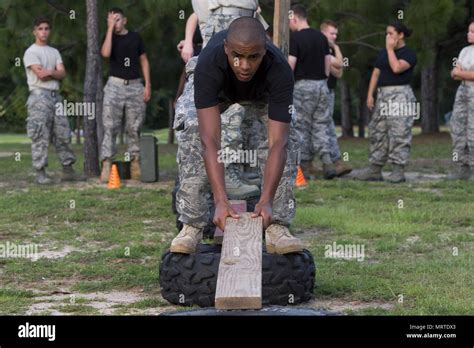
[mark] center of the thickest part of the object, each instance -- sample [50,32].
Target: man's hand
[44,74]
[147,93]
[456,71]
[390,43]
[370,102]
[265,211]
[223,211]
[180,46]
[187,52]
[112,18]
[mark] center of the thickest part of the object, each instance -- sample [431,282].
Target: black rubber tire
[191,279]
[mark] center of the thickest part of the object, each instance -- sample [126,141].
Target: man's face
[470,34]
[120,23]
[41,32]
[293,22]
[331,33]
[244,59]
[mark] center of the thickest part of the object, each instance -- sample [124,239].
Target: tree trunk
[429,99]
[91,148]
[346,119]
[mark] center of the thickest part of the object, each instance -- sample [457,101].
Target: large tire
[191,279]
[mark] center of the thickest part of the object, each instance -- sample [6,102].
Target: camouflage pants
[45,124]
[119,99]
[194,187]
[311,102]
[216,22]
[462,126]
[334,150]
[390,129]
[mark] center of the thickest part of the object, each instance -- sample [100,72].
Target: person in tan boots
[124,91]
[238,65]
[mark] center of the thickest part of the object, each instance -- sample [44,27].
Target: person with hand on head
[462,120]
[124,91]
[238,65]
[393,113]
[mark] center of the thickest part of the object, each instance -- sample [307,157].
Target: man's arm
[145,64]
[292,61]
[278,137]
[188,49]
[372,85]
[337,63]
[106,50]
[327,64]
[47,75]
[459,74]
[210,131]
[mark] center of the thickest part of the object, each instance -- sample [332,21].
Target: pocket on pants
[34,129]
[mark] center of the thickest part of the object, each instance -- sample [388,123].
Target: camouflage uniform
[193,193]
[43,124]
[311,102]
[334,150]
[390,134]
[462,125]
[120,97]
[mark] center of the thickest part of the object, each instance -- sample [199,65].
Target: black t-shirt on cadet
[125,55]
[387,76]
[311,47]
[215,82]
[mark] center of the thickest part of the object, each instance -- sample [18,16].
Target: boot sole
[344,172]
[182,250]
[291,249]
[330,175]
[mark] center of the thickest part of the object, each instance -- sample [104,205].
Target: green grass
[116,238]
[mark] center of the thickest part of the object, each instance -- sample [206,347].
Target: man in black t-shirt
[124,91]
[238,65]
[310,59]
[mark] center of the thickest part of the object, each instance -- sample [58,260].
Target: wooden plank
[240,206]
[281,27]
[239,281]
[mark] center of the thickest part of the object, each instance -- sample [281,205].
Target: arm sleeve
[281,94]
[410,57]
[59,59]
[326,46]
[141,46]
[207,85]
[378,61]
[293,46]
[30,59]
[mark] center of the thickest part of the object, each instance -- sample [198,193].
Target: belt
[237,11]
[123,81]
[44,91]
[397,88]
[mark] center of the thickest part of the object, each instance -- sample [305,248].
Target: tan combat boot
[105,174]
[187,240]
[372,173]
[135,172]
[342,168]
[280,241]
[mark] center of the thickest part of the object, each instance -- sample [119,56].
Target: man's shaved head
[246,31]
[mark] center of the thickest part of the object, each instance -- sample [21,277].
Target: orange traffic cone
[114,179]
[300,180]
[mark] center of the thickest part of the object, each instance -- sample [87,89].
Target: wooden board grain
[240,206]
[239,280]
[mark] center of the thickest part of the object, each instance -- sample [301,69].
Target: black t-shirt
[332,81]
[215,82]
[387,76]
[125,56]
[311,47]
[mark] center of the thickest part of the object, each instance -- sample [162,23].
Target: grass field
[100,249]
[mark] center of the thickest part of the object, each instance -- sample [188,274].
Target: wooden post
[281,29]
[239,280]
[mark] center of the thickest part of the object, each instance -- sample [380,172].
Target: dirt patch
[341,306]
[6,154]
[411,177]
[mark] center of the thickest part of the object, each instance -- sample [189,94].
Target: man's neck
[122,32]
[303,25]
[41,43]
